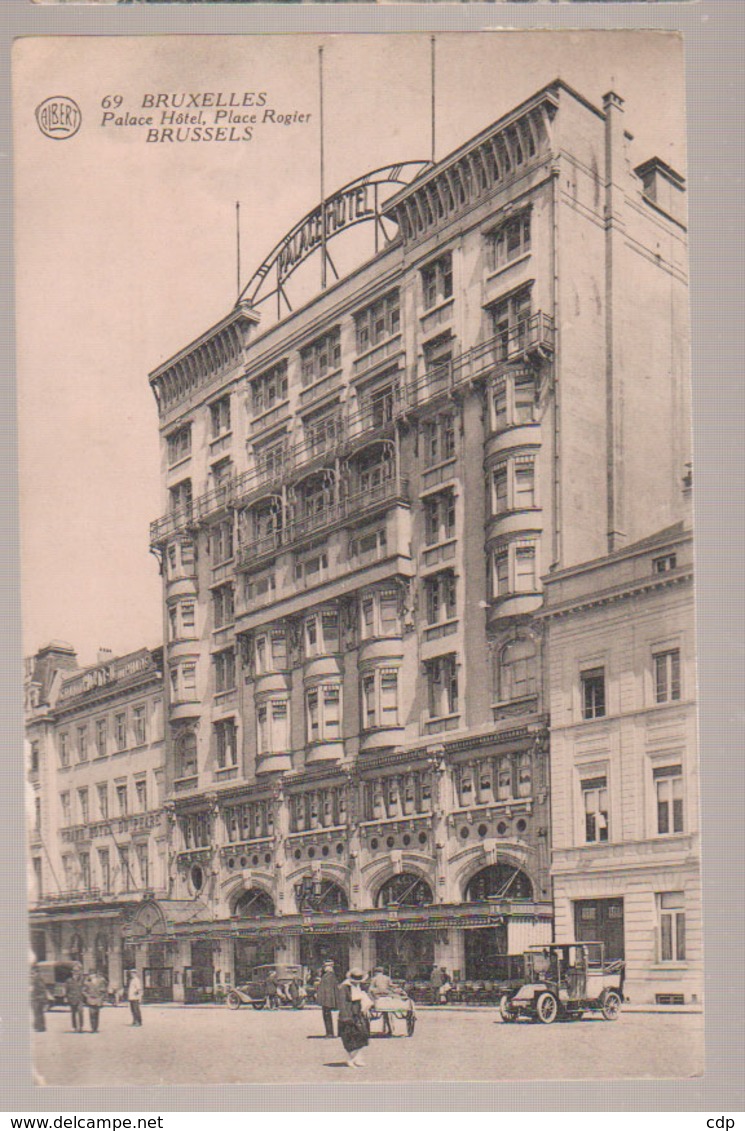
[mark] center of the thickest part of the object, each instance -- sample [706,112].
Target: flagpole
[432,68]
[322,172]
[238,250]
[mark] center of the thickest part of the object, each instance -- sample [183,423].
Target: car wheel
[505,1012]
[258,1004]
[611,1005]
[546,1008]
[234,1001]
[410,1024]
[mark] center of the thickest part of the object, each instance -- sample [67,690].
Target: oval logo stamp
[58,117]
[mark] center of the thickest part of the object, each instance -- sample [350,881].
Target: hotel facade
[361,499]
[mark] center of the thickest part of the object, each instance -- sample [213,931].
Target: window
[226,744]
[143,864]
[398,795]
[271,458]
[141,794]
[126,871]
[367,544]
[442,686]
[84,861]
[510,241]
[139,725]
[323,712]
[223,606]
[270,652]
[120,730]
[513,485]
[221,542]
[437,281]
[272,726]
[595,801]
[122,800]
[377,322]
[102,736]
[438,440]
[83,744]
[180,498]
[104,869]
[376,404]
[102,790]
[311,567]
[667,676]
[321,633]
[439,592]
[186,754]
[220,417]
[664,564]
[380,698]
[34,758]
[269,389]
[259,586]
[179,445]
[668,785]
[321,431]
[83,807]
[380,614]
[64,750]
[438,360]
[439,517]
[510,319]
[512,400]
[593,693]
[515,569]
[671,911]
[224,664]
[517,671]
[321,357]
[64,801]
[37,814]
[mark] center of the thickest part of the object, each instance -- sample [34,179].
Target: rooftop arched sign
[359,202]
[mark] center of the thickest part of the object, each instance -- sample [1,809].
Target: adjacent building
[624,772]
[362,499]
[95,784]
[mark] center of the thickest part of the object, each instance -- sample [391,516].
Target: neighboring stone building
[95,774]
[620,639]
[361,497]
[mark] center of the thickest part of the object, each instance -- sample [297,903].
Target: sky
[126,250]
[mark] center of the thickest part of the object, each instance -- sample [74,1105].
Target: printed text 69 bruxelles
[200,116]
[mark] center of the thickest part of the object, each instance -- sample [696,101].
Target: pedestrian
[134,997]
[354,1022]
[39,1000]
[327,996]
[95,988]
[436,982]
[272,990]
[446,986]
[74,997]
[382,986]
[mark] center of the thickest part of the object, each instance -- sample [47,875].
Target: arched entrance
[485,947]
[312,895]
[254,950]
[76,948]
[405,954]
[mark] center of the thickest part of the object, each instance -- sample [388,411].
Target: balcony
[355,507]
[531,337]
[183,518]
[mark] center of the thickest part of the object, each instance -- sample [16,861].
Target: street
[213,1045]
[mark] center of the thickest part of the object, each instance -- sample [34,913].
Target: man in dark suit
[327,996]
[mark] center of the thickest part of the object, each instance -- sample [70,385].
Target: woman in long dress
[354,1024]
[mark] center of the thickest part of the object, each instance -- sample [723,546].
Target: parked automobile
[55,976]
[289,982]
[564,981]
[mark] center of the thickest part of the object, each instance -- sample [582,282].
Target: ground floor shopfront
[93,936]
[193,961]
[648,914]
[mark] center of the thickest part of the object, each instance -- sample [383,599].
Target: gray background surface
[715,37]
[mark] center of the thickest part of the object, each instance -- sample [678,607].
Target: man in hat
[39,999]
[327,996]
[74,997]
[134,997]
[95,988]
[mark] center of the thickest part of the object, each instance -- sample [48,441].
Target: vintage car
[564,981]
[288,987]
[55,976]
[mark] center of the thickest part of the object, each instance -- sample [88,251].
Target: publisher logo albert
[58,117]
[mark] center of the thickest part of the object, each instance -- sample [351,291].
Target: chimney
[104,656]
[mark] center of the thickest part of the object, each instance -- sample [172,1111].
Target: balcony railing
[355,506]
[529,336]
